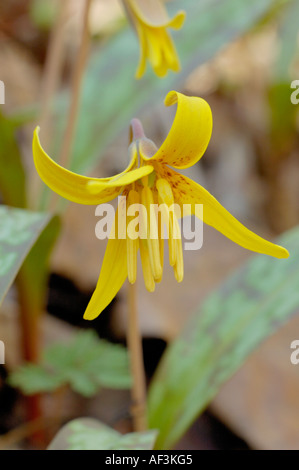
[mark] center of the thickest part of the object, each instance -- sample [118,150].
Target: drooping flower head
[149,180]
[151,21]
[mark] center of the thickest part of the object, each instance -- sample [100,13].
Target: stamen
[179,265]
[160,235]
[151,179]
[165,191]
[132,239]
[166,201]
[146,266]
[152,232]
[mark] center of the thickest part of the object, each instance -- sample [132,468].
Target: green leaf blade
[19,231]
[90,434]
[231,323]
[85,364]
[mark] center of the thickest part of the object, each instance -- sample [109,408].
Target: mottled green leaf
[32,279]
[85,364]
[90,434]
[19,230]
[229,325]
[33,377]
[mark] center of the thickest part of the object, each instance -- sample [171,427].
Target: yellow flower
[150,180]
[150,19]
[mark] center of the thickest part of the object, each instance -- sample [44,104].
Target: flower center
[151,217]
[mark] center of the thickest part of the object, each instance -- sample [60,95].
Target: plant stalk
[79,69]
[50,83]
[134,340]
[53,68]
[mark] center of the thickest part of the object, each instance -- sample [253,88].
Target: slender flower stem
[79,69]
[137,365]
[53,67]
[30,311]
[50,82]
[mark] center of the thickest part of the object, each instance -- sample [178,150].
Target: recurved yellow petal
[82,189]
[112,276]
[186,191]
[121,180]
[189,135]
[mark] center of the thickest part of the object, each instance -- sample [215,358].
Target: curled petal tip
[93,187]
[278,251]
[90,316]
[171,98]
[179,19]
[190,133]
[283,252]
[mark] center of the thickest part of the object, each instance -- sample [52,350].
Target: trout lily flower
[151,21]
[151,178]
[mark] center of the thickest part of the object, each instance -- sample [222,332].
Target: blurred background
[242,58]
